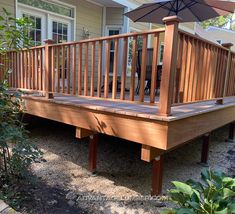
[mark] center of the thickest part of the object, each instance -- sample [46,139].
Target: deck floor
[137,109]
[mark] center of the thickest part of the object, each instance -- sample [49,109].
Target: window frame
[46,34]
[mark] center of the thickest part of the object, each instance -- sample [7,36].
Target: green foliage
[13,32]
[16,152]
[214,195]
[217,22]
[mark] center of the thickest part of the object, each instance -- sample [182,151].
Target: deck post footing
[231,137]
[157,174]
[205,149]
[93,153]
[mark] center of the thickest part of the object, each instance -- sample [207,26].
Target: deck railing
[205,70]
[81,69]
[194,69]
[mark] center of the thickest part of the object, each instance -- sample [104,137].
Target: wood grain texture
[139,130]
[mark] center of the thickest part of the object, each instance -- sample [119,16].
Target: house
[73,20]
[197,91]
[217,35]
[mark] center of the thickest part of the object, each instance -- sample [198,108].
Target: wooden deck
[134,121]
[197,91]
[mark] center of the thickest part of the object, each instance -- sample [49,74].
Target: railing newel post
[169,64]
[228,46]
[48,69]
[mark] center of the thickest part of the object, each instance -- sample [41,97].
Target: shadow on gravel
[118,161]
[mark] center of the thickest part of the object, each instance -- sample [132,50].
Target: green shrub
[214,195]
[16,151]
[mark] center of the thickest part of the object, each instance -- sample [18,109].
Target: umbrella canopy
[188,10]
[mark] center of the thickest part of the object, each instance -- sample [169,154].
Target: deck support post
[231,137]
[205,149]
[93,153]
[48,69]
[157,175]
[221,100]
[169,65]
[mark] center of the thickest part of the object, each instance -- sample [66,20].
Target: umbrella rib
[211,6]
[172,7]
[161,5]
[194,13]
[143,7]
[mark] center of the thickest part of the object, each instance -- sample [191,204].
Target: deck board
[138,109]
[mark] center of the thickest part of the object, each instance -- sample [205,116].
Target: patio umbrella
[187,10]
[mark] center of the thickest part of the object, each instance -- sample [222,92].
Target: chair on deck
[149,58]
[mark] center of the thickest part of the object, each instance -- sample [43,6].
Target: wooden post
[93,153]
[47,69]
[205,149]
[169,64]
[231,137]
[228,46]
[157,174]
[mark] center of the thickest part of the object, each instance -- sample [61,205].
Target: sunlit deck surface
[137,109]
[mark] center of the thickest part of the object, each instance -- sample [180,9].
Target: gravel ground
[121,173]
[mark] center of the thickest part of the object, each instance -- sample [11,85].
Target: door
[59,29]
[37,34]
[111,31]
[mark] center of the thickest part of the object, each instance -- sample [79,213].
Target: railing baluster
[86,69]
[68,69]
[106,80]
[53,68]
[63,69]
[154,68]
[143,68]
[74,69]
[191,71]
[133,68]
[124,68]
[115,69]
[183,69]
[92,69]
[196,68]
[99,83]
[58,73]
[80,70]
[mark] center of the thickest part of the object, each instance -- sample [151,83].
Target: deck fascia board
[140,130]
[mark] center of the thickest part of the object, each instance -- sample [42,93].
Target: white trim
[93,2]
[104,21]
[44,11]
[49,13]
[127,3]
[126,23]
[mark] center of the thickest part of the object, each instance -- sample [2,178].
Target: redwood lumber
[169,65]
[93,153]
[205,149]
[157,175]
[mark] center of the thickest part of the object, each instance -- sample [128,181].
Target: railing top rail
[119,36]
[202,39]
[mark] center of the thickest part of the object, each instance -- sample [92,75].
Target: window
[51,20]
[60,32]
[35,33]
[49,6]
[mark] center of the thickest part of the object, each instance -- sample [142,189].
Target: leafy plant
[214,195]
[16,151]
